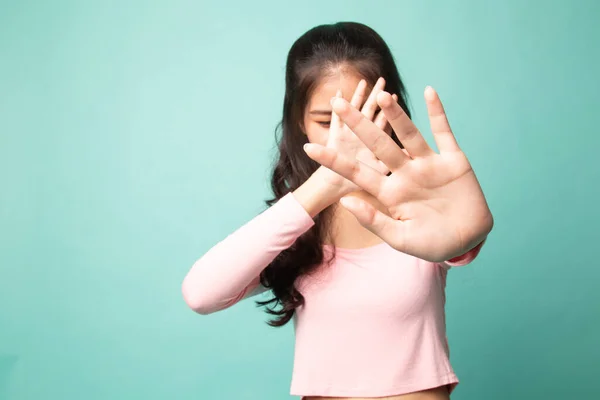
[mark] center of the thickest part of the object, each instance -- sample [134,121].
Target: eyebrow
[321,112]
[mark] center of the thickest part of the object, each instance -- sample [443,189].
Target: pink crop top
[373,323]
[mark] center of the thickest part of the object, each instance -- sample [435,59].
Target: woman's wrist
[316,194]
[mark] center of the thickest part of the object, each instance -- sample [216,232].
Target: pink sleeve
[466,258]
[230,270]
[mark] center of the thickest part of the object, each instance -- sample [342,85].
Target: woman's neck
[347,232]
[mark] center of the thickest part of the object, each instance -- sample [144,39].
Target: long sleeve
[230,270]
[466,258]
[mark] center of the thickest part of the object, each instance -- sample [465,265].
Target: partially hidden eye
[324,123]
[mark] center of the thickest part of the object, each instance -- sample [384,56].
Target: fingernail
[306,146]
[382,99]
[429,92]
[337,94]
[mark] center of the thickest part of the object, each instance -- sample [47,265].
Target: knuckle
[411,133]
[378,143]
[355,168]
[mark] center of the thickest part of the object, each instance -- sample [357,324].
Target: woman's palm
[436,205]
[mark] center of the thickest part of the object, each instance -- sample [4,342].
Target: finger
[371,105]
[381,144]
[336,122]
[381,167]
[378,165]
[442,133]
[359,94]
[382,122]
[358,172]
[393,231]
[407,132]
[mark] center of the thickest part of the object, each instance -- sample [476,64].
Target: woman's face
[317,114]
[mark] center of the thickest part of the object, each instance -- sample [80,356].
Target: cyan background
[134,135]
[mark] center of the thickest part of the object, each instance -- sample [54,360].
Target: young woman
[364,282]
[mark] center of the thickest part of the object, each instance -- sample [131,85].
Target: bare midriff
[439,393]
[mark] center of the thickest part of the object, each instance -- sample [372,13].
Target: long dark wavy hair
[318,53]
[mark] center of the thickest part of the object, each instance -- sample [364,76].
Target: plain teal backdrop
[134,135]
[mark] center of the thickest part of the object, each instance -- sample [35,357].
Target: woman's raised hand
[343,140]
[438,210]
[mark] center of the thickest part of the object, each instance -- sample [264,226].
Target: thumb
[384,226]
